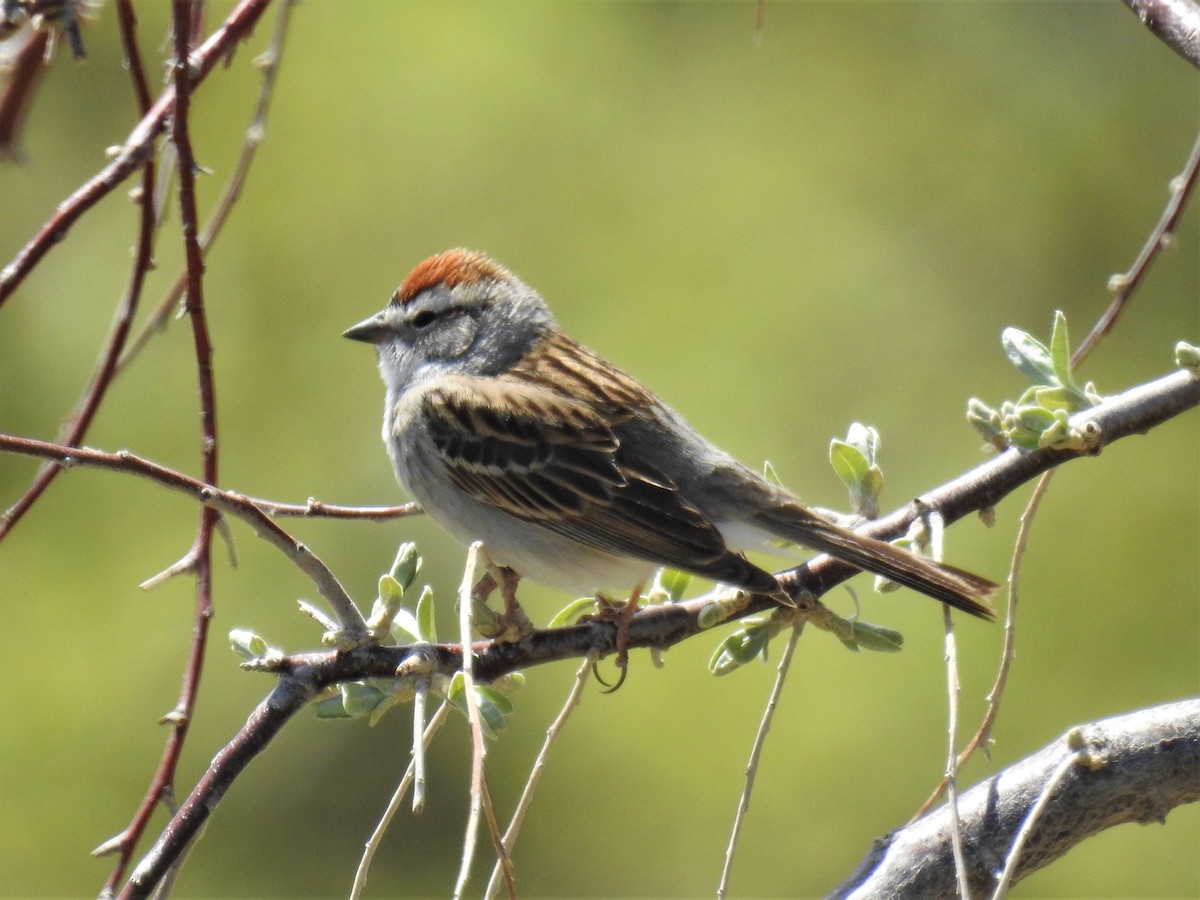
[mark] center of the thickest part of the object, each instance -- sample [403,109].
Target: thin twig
[385,821]
[1124,285]
[478,749]
[539,767]
[269,61]
[982,737]
[760,739]
[350,620]
[288,697]
[1014,856]
[76,429]
[23,72]
[1174,22]
[200,556]
[316,509]
[954,689]
[138,145]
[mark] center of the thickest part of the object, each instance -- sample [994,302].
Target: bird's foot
[621,614]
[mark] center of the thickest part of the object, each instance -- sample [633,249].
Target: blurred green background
[781,239]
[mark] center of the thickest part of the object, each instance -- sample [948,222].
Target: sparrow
[571,472]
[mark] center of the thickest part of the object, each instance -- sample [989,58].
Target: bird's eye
[423,318]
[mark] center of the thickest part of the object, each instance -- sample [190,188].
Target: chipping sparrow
[571,472]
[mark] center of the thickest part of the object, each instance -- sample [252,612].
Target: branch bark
[1131,768]
[1174,22]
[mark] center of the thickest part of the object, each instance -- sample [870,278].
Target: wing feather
[539,443]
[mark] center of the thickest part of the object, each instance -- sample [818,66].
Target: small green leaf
[426,624]
[872,484]
[849,463]
[485,620]
[987,422]
[674,582]
[1060,350]
[876,637]
[1028,355]
[741,647]
[249,645]
[391,592]
[865,439]
[497,699]
[359,698]
[572,611]
[404,628]
[332,708]
[1056,432]
[1034,419]
[1187,356]
[407,564]
[1053,398]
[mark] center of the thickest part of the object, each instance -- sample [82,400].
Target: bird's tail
[957,587]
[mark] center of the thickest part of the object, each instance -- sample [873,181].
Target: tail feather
[956,587]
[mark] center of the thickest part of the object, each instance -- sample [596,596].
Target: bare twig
[535,773]
[288,697]
[269,62]
[137,147]
[199,558]
[26,70]
[316,509]
[1012,861]
[350,620]
[1124,285]
[760,740]
[478,748]
[419,744]
[982,737]
[954,690]
[75,430]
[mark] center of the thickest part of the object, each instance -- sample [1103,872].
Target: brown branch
[20,87]
[1133,412]
[76,429]
[138,146]
[1131,768]
[228,503]
[1124,285]
[267,720]
[317,509]
[1174,22]
[199,558]
[255,134]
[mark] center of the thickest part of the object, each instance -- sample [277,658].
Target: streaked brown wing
[518,443]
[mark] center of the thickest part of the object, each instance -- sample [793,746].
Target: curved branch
[1133,412]
[1174,22]
[226,502]
[289,697]
[1131,768]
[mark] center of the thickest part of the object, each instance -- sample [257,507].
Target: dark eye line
[423,319]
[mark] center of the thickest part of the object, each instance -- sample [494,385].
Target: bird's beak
[370,331]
